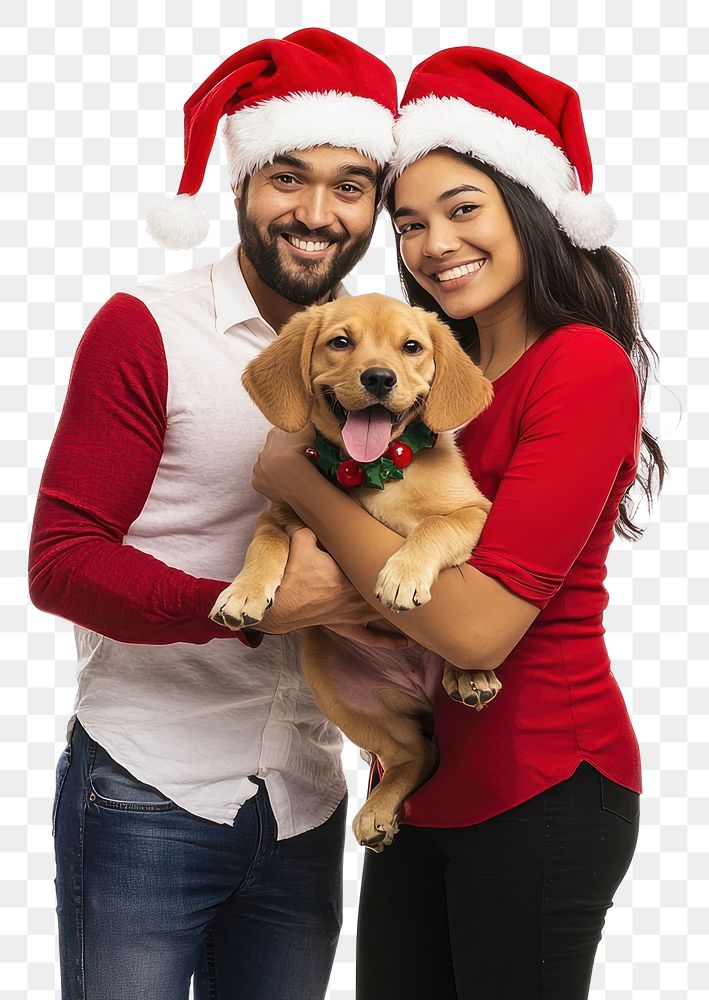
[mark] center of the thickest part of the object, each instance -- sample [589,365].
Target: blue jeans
[150,896]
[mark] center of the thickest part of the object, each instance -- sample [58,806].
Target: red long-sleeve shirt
[555,453]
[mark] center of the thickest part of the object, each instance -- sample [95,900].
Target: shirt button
[262,772]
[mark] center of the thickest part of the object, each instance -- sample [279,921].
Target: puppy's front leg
[436,543]
[249,597]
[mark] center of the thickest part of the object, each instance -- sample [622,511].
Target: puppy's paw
[476,688]
[241,604]
[401,589]
[374,829]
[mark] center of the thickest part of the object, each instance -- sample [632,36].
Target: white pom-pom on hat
[177,223]
[587,219]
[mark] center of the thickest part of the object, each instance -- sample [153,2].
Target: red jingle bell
[400,454]
[349,474]
[313,454]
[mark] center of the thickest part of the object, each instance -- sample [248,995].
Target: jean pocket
[617,799]
[113,787]
[61,772]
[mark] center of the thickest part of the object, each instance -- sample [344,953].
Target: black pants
[507,909]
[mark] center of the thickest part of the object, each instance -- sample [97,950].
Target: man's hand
[315,591]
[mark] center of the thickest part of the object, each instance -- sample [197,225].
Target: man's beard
[303,282]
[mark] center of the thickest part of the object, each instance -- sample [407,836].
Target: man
[199,816]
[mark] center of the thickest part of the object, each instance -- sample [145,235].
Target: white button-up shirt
[196,720]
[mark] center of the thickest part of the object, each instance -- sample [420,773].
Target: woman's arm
[576,451]
[494,618]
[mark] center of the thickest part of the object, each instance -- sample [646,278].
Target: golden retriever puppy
[384,384]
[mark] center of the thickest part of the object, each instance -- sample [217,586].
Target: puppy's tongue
[366,433]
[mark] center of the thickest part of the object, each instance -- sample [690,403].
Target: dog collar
[334,463]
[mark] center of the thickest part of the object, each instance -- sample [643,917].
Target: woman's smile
[457,275]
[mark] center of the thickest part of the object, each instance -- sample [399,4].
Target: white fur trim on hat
[255,135]
[177,223]
[526,156]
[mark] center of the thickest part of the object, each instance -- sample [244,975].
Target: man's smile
[311,249]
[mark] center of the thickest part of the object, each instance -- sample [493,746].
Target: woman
[509,856]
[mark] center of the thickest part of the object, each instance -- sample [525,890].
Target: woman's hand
[280,461]
[315,591]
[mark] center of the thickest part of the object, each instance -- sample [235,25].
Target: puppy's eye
[412,347]
[339,343]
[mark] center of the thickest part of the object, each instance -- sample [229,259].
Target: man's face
[307,218]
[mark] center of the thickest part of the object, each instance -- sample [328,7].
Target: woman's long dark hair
[565,284]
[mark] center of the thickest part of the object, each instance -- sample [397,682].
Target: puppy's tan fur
[437,507]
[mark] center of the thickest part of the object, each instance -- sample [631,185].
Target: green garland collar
[344,471]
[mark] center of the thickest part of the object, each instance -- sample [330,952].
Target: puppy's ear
[278,379]
[459,391]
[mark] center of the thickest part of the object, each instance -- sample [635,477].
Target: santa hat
[312,88]
[526,124]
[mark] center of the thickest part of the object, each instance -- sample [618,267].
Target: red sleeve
[98,475]
[579,426]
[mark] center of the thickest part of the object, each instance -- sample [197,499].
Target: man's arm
[96,481]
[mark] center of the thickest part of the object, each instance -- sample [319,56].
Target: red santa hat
[312,88]
[526,124]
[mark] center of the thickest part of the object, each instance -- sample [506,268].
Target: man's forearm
[80,572]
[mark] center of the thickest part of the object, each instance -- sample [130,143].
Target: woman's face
[457,238]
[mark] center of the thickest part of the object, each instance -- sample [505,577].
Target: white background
[91,126]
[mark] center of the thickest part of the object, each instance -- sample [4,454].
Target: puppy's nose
[378,381]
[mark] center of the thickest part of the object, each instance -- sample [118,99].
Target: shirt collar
[233,302]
